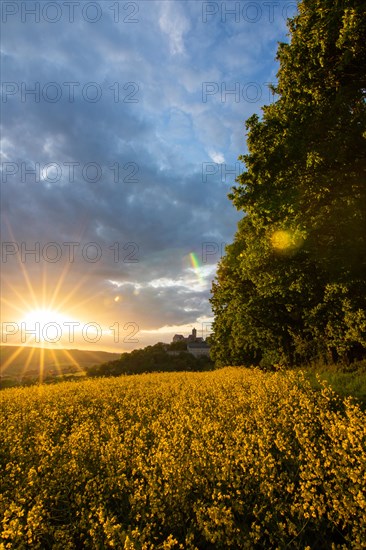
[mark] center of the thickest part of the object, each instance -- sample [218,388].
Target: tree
[181,345]
[292,286]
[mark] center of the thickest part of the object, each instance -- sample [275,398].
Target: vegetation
[152,359]
[234,458]
[25,365]
[345,381]
[292,286]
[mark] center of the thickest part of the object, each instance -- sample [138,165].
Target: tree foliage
[153,359]
[292,286]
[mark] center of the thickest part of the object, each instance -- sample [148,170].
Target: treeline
[153,359]
[291,288]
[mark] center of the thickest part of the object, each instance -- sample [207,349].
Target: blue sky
[116,168]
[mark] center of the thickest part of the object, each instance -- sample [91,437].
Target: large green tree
[292,286]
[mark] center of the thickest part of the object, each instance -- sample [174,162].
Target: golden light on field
[202,447]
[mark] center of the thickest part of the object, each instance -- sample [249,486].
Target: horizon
[49,347]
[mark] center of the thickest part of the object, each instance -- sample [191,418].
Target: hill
[27,361]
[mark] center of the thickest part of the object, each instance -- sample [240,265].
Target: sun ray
[59,284]
[61,280]
[73,361]
[17,294]
[10,359]
[45,303]
[44,287]
[28,360]
[86,300]
[11,304]
[24,272]
[80,303]
[57,363]
[14,355]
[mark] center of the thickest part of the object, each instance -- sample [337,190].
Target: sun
[45,325]
[44,316]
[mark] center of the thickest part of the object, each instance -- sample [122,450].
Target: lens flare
[281,240]
[285,241]
[196,266]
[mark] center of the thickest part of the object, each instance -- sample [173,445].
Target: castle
[191,338]
[195,345]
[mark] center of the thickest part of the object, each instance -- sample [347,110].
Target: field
[234,458]
[24,365]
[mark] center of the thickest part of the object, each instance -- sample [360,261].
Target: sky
[121,127]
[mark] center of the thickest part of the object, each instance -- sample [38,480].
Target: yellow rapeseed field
[234,458]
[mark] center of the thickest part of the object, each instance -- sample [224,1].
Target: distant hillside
[52,359]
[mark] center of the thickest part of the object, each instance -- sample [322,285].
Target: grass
[345,380]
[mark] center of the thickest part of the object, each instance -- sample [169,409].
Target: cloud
[216,157]
[151,201]
[175,25]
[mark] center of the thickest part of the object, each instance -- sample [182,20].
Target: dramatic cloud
[122,124]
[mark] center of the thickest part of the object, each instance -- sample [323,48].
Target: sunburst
[41,310]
